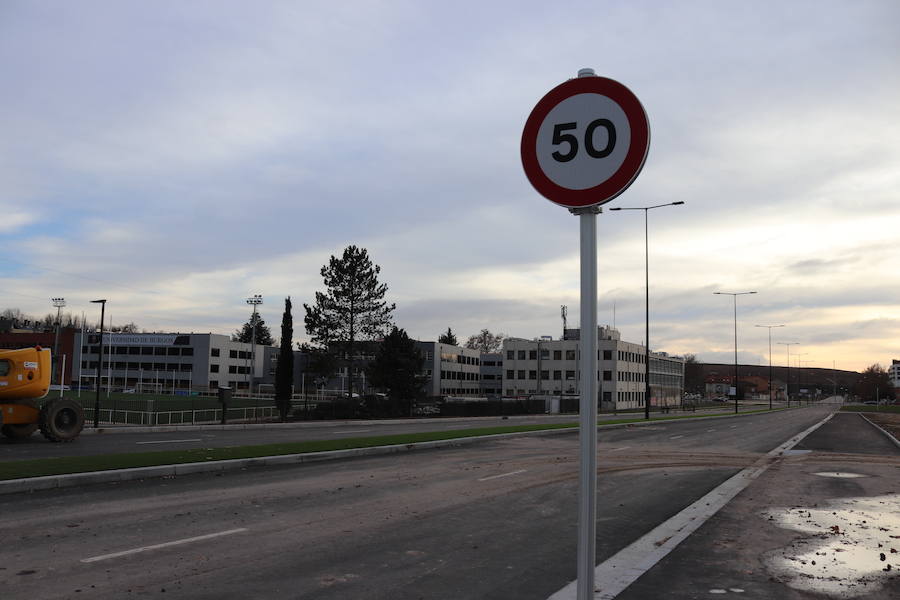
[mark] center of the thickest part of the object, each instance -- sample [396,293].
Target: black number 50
[559,138]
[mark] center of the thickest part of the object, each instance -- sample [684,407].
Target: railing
[203,416]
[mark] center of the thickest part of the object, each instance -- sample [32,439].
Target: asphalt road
[493,520]
[114,443]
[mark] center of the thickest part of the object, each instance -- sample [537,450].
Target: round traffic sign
[585,142]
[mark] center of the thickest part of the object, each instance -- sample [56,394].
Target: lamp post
[102,304]
[770,327]
[787,378]
[58,303]
[734,295]
[254,301]
[800,376]
[647,209]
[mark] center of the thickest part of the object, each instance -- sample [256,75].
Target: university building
[551,367]
[163,362]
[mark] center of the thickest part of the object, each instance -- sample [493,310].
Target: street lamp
[255,301]
[102,304]
[787,378]
[646,209]
[58,303]
[735,295]
[770,327]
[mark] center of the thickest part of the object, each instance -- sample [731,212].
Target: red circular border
[634,158]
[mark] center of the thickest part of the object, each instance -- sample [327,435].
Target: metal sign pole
[587,499]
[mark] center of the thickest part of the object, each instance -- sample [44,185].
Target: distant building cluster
[178,362]
[894,373]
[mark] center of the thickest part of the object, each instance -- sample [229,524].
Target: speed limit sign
[585,142]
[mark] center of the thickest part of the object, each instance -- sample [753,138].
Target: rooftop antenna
[564,311]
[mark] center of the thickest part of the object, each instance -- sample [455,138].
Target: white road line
[165,545]
[620,449]
[353,431]
[503,475]
[733,426]
[675,437]
[622,569]
[708,430]
[170,441]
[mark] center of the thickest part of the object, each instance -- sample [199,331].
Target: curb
[881,429]
[48,482]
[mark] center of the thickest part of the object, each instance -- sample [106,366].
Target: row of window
[138,366]
[141,350]
[242,369]
[557,375]
[242,354]
[460,359]
[460,375]
[622,355]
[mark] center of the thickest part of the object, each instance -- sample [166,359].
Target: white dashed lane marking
[164,545]
[170,441]
[503,475]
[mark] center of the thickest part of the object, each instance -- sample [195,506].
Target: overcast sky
[177,157]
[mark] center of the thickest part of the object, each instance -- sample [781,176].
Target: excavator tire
[62,419]
[18,432]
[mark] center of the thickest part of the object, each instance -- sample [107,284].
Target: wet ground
[823,522]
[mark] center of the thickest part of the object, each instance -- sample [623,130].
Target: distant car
[720,399]
[870,402]
[128,391]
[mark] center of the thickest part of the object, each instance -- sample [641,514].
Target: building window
[521,374]
[557,355]
[557,375]
[232,354]
[532,355]
[510,374]
[570,375]
[214,352]
[570,355]
[510,354]
[607,375]
[545,375]
[532,374]
[213,368]
[232,369]
[521,355]
[607,355]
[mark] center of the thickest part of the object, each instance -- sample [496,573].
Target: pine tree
[352,308]
[397,369]
[448,338]
[245,333]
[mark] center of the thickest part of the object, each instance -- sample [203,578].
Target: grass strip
[39,467]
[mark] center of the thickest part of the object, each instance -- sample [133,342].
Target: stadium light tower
[59,303]
[254,300]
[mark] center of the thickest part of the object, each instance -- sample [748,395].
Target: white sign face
[583,141]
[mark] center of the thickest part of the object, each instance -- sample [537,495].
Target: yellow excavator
[24,381]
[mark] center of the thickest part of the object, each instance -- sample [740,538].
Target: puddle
[839,474]
[853,547]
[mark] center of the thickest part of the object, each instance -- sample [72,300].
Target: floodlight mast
[59,303]
[254,300]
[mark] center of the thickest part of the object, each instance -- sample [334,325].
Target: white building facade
[148,362]
[551,367]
